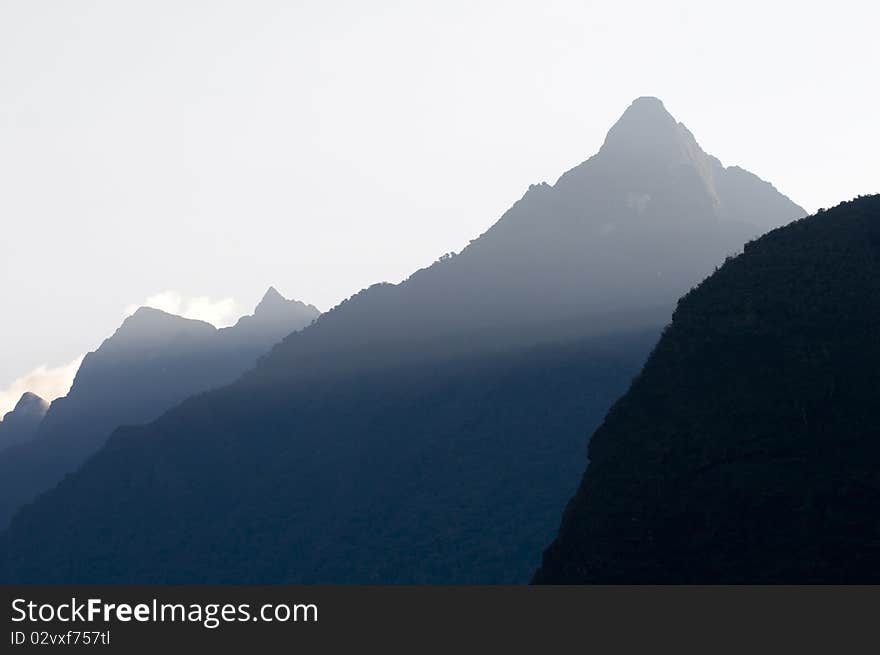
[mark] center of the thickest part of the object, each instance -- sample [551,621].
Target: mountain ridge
[548,220]
[151,362]
[21,423]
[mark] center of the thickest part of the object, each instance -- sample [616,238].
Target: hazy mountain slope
[385,476]
[274,318]
[747,450]
[152,362]
[20,424]
[618,238]
[386,442]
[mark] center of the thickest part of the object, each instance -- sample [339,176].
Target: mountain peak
[150,323]
[647,108]
[147,313]
[271,302]
[29,398]
[31,403]
[646,127]
[277,314]
[22,422]
[648,104]
[147,316]
[272,298]
[149,327]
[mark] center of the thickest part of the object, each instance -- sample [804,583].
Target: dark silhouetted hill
[153,361]
[747,450]
[22,422]
[426,431]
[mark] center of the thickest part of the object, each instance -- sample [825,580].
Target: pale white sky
[204,150]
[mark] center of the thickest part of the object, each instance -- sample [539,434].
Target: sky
[189,154]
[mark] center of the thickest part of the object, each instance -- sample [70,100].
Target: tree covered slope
[748,449]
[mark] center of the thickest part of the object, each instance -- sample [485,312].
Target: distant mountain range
[153,361]
[747,450]
[422,432]
[22,422]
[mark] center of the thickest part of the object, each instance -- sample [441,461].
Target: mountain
[270,321]
[22,422]
[152,362]
[612,244]
[747,450]
[426,431]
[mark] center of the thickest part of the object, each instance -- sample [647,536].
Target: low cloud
[220,313]
[48,383]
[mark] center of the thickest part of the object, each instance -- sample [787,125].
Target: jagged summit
[22,422]
[646,130]
[645,123]
[151,314]
[153,361]
[624,233]
[151,322]
[271,296]
[272,301]
[651,165]
[644,115]
[652,103]
[274,307]
[31,403]
[149,326]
